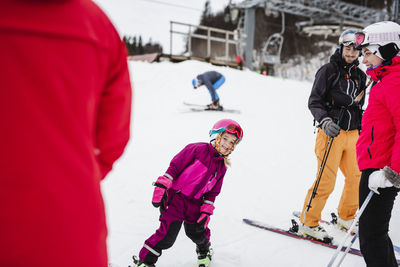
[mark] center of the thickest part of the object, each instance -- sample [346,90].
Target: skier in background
[334,104]
[378,148]
[212,80]
[65,103]
[187,191]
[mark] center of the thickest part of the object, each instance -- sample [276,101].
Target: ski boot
[316,232]
[345,225]
[139,263]
[203,257]
[215,106]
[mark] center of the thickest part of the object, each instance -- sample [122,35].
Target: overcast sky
[151,18]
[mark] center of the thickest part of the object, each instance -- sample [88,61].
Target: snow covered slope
[272,167]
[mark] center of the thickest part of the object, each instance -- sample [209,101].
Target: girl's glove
[206,210]
[160,191]
[377,179]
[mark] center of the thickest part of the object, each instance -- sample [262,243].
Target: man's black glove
[330,128]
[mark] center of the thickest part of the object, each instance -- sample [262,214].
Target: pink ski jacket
[197,171]
[379,142]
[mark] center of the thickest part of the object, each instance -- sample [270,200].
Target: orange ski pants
[343,155]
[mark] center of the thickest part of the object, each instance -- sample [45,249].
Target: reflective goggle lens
[235,130]
[360,37]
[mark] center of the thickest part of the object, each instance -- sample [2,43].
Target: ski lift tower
[332,13]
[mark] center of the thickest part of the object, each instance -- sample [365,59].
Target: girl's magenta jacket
[379,142]
[65,103]
[197,171]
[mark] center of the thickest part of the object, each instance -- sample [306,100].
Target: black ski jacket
[335,87]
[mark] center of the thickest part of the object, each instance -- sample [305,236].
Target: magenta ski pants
[178,209]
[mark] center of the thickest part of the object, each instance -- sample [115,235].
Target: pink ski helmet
[226,125]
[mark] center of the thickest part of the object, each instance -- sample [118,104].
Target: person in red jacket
[65,103]
[378,147]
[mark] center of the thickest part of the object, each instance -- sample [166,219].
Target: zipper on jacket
[214,176]
[348,93]
[167,202]
[372,140]
[348,125]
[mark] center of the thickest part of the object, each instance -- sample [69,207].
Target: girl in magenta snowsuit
[187,191]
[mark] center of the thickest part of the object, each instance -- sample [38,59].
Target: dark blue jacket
[208,79]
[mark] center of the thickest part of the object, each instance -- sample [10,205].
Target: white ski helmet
[381,38]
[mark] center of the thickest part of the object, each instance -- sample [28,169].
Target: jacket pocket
[372,140]
[190,177]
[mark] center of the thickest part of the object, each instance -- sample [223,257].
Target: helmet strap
[227,162]
[217,145]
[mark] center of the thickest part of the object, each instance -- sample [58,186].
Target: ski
[295,235]
[213,110]
[201,108]
[334,222]
[195,105]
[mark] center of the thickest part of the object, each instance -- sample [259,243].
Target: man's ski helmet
[195,83]
[348,37]
[381,38]
[225,125]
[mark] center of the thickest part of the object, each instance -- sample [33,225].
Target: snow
[272,167]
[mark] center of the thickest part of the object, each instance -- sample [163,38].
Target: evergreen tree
[140,49]
[206,15]
[134,46]
[128,44]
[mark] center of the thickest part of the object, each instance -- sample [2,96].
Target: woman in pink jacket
[378,147]
[186,193]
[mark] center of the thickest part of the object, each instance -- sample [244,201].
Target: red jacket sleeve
[113,120]
[393,105]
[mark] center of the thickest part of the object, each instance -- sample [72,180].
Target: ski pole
[353,225]
[321,168]
[347,249]
[320,171]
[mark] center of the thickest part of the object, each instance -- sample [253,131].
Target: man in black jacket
[336,102]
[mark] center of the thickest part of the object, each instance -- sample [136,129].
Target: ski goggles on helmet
[235,130]
[231,129]
[381,38]
[360,40]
